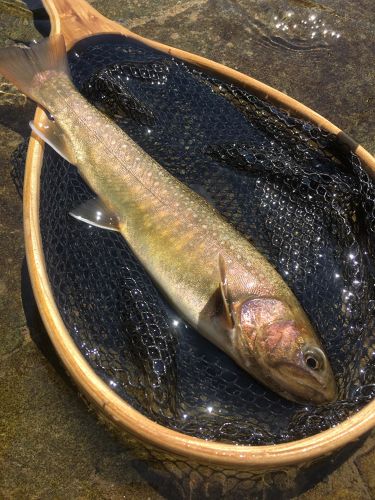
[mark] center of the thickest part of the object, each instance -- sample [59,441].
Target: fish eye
[314,359]
[312,362]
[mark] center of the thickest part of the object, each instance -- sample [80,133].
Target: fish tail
[30,68]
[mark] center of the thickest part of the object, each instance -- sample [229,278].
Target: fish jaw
[317,389]
[282,351]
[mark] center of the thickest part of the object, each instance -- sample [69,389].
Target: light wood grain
[77,20]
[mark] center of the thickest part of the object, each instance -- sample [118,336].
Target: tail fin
[29,68]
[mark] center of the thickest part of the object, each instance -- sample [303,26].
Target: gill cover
[276,345]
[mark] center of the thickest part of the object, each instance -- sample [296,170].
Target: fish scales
[161,216]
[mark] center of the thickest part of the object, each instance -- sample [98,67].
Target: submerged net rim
[351,428]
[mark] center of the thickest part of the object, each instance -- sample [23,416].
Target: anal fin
[52,134]
[95,213]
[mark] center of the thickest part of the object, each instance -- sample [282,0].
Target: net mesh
[302,198]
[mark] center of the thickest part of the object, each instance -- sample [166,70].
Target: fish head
[280,348]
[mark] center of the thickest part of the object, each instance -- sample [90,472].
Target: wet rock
[365,463]
[50,444]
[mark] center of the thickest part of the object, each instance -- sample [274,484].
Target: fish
[211,274]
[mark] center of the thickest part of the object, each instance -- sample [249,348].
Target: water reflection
[311,27]
[295,30]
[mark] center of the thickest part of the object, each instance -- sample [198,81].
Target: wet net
[302,198]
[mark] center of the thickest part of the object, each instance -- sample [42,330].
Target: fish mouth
[302,388]
[323,395]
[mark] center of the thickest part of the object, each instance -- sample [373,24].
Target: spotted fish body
[212,275]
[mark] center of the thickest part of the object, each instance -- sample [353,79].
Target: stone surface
[365,463]
[51,445]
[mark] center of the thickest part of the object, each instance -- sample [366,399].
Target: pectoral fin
[95,213]
[224,289]
[52,134]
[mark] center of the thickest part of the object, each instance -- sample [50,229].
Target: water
[339,70]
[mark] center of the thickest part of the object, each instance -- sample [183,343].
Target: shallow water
[341,66]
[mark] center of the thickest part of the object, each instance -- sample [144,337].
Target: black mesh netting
[302,198]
